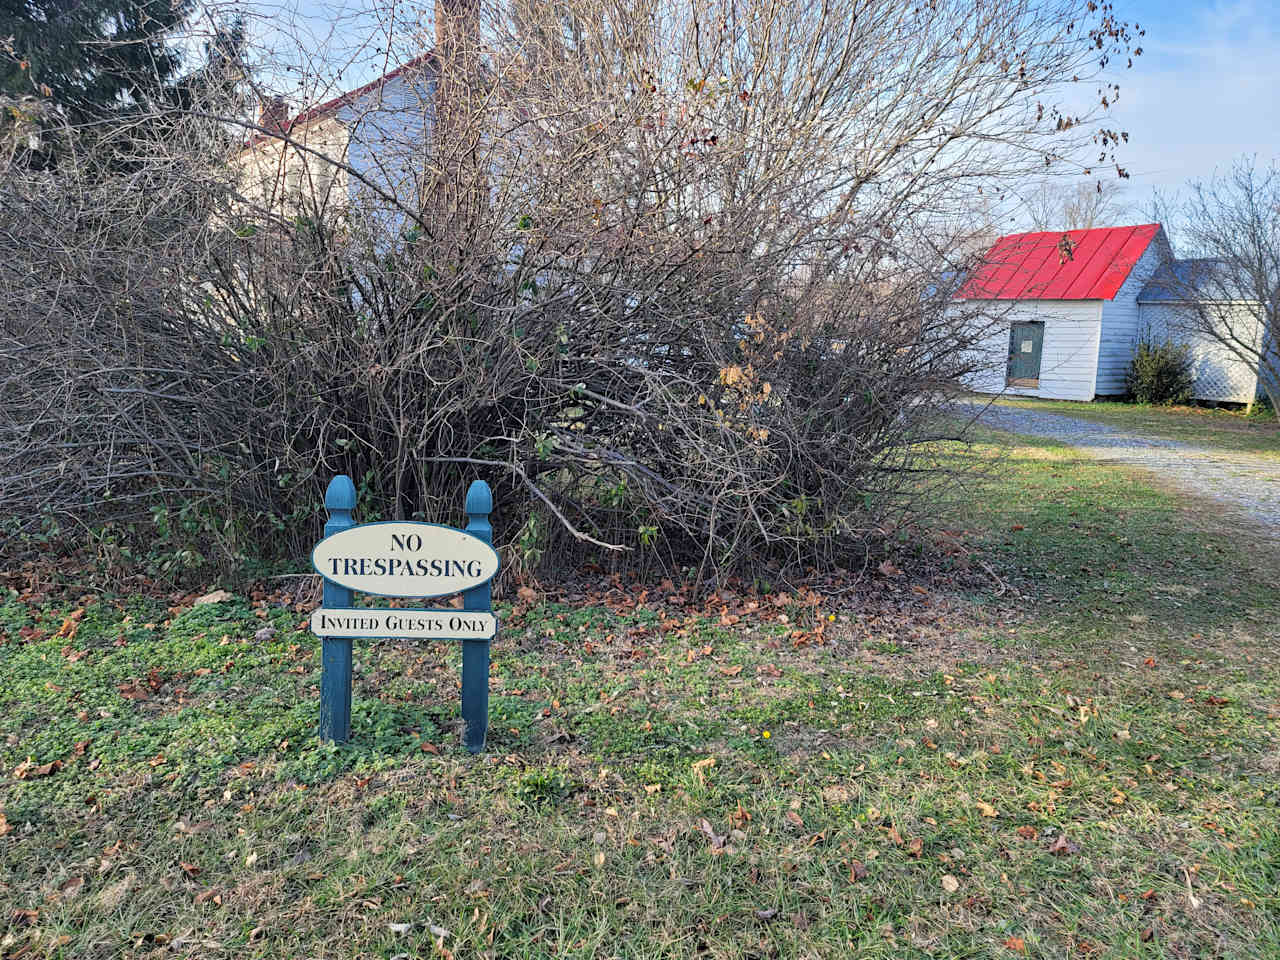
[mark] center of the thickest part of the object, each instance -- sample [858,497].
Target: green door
[1025,342]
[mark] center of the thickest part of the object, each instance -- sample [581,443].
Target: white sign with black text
[404,624]
[405,559]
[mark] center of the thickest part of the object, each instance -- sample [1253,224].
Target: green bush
[1160,373]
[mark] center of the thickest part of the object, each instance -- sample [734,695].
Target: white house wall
[1220,374]
[1068,359]
[1121,325]
[389,129]
[275,176]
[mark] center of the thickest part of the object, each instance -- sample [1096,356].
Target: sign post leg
[475,692]
[335,690]
[335,682]
[475,653]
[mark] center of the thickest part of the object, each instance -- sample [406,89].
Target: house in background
[1069,308]
[378,130]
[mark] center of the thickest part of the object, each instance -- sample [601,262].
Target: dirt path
[1247,485]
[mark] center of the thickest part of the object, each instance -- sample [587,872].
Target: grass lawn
[1053,733]
[1210,428]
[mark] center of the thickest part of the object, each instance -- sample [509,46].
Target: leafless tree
[1075,205]
[675,278]
[1227,291]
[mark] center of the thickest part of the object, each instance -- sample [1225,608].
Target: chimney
[274,115]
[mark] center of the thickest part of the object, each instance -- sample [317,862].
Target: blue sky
[1206,89]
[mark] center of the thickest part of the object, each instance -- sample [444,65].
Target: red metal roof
[1075,265]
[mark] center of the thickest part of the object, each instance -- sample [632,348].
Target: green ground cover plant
[1045,728]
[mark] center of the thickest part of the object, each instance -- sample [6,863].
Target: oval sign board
[405,559]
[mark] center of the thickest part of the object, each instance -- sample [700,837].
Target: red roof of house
[332,106]
[1075,265]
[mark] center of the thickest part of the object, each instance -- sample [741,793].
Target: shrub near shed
[1160,373]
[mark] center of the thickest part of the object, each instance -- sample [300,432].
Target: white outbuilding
[1068,309]
[1183,302]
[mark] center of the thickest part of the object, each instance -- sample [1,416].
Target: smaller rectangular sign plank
[404,624]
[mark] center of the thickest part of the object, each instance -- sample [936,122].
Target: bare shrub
[676,280]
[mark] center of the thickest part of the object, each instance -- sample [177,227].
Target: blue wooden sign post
[475,653]
[403,558]
[335,652]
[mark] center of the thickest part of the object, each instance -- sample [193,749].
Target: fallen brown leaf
[717,840]
[29,769]
[889,570]
[132,691]
[1062,846]
[71,624]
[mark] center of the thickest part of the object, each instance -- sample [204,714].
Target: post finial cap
[479,498]
[341,494]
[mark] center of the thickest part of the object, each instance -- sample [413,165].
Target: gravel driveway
[1248,486]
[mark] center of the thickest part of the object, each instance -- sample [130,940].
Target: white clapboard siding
[389,128]
[1069,357]
[989,357]
[1121,323]
[1220,374]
